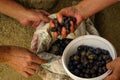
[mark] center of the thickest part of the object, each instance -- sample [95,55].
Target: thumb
[110,65]
[45,18]
[59,16]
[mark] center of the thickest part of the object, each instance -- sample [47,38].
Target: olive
[70,67]
[79,66]
[97,51]
[68,31]
[81,48]
[87,71]
[86,75]
[89,65]
[93,75]
[75,63]
[105,52]
[74,20]
[100,70]
[91,57]
[76,72]
[104,69]
[54,29]
[109,60]
[81,75]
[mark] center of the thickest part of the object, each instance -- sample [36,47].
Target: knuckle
[25,64]
[29,57]
[62,10]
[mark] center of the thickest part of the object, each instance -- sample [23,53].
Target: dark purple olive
[76,72]
[54,29]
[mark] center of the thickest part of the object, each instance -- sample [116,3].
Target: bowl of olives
[85,58]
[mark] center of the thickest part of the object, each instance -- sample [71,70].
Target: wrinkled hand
[69,12]
[24,61]
[34,17]
[115,67]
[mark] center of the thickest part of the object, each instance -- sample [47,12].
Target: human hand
[23,61]
[68,12]
[115,67]
[34,17]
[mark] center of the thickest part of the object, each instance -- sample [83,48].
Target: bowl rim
[83,37]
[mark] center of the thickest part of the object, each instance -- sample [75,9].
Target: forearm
[89,7]
[12,9]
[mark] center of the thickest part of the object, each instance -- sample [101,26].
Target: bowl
[90,40]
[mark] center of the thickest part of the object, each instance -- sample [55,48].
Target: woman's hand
[22,60]
[23,15]
[68,12]
[34,17]
[115,67]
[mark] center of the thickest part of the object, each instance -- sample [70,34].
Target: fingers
[72,27]
[59,17]
[55,34]
[25,74]
[26,22]
[79,19]
[112,77]
[44,18]
[36,23]
[109,78]
[44,12]
[34,66]
[37,60]
[52,24]
[43,15]
[64,32]
[114,66]
[30,71]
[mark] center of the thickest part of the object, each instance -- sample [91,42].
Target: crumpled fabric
[41,42]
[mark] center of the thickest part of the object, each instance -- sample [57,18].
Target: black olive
[104,69]
[65,23]
[81,75]
[79,66]
[87,71]
[68,31]
[72,58]
[76,72]
[93,71]
[105,52]
[75,63]
[109,60]
[86,75]
[100,70]
[54,29]
[89,65]
[70,67]
[81,48]
[93,75]
[97,51]
[74,20]
[76,57]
